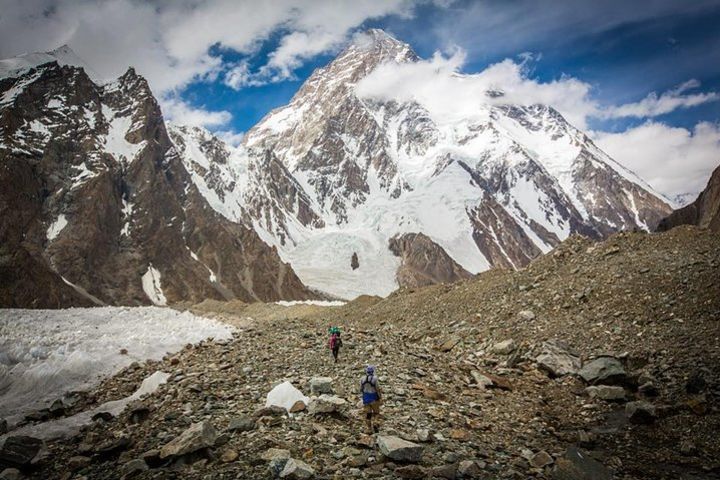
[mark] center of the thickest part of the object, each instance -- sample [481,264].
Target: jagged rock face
[703,212]
[424,262]
[102,208]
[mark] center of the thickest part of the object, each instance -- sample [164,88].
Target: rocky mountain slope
[335,174]
[704,211]
[97,207]
[598,360]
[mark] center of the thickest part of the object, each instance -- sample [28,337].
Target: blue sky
[224,64]
[623,62]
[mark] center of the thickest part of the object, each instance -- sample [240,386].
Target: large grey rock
[398,449]
[609,393]
[241,424]
[640,412]
[11,474]
[326,404]
[558,360]
[604,370]
[297,469]
[196,437]
[134,467]
[468,469]
[19,451]
[577,465]
[276,458]
[320,385]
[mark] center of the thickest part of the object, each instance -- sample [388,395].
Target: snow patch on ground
[56,227]
[47,353]
[321,303]
[69,426]
[152,287]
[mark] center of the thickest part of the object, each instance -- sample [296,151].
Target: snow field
[47,353]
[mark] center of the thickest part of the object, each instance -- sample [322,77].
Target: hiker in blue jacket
[370,390]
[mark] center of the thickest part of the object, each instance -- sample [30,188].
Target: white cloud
[653,105]
[230,137]
[675,161]
[437,84]
[180,112]
[168,42]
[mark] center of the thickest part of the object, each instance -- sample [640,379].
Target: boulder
[505,347]
[326,404]
[320,385]
[609,393]
[285,396]
[276,458]
[558,360]
[133,468]
[640,412]
[577,465]
[604,371]
[398,449]
[19,451]
[297,469]
[196,437]
[410,471]
[468,469]
[241,424]
[540,459]
[11,474]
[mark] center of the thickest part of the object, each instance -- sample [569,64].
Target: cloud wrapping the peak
[178,111]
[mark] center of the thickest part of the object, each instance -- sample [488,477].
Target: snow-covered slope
[334,173]
[17,66]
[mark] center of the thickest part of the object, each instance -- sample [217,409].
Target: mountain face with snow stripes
[333,175]
[98,208]
[334,192]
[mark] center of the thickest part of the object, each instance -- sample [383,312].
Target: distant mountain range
[331,193]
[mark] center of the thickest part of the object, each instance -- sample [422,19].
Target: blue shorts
[370,398]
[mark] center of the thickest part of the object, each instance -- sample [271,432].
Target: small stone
[541,459]
[460,435]
[271,411]
[558,360]
[648,389]
[640,412]
[448,471]
[527,315]
[123,351]
[134,467]
[398,449]
[229,455]
[695,383]
[241,424]
[410,471]
[448,344]
[606,392]
[505,347]
[423,435]
[277,458]
[468,469]
[77,462]
[687,448]
[298,406]
[297,469]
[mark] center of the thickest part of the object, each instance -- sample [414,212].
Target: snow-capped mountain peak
[63,55]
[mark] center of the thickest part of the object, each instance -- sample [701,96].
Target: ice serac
[703,212]
[99,158]
[494,187]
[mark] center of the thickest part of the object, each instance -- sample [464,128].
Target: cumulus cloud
[169,42]
[230,137]
[438,85]
[675,161]
[653,105]
[178,111]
